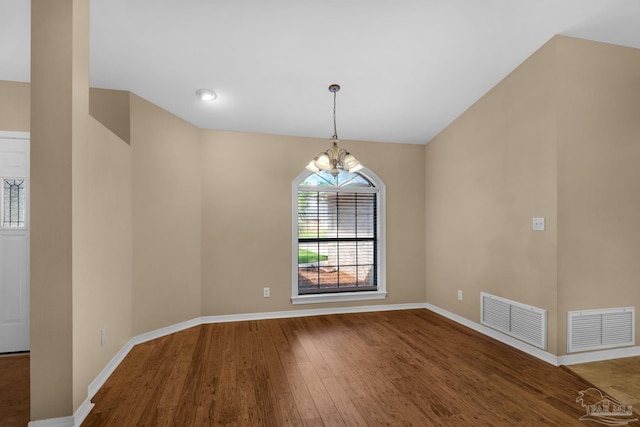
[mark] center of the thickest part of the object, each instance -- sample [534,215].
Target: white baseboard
[567,359]
[108,370]
[499,336]
[85,408]
[596,356]
[74,421]
[95,385]
[158,333]
[82,411]
[53,422]
[311,312]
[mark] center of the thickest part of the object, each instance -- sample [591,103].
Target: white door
[14,242]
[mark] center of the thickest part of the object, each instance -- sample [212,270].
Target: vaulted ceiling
[407,67]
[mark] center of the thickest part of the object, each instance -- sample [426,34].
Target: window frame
[325,297]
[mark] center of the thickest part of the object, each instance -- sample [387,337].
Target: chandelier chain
[335,132]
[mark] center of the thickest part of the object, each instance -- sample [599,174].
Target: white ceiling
[407,67]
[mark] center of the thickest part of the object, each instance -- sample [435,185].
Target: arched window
[338,237]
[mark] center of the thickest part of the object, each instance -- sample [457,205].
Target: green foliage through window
[308,257]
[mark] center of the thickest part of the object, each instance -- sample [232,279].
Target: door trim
[4,134]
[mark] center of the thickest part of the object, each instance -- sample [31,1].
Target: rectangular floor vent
[600,329]
[521,321]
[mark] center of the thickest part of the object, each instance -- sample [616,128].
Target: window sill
[338,297]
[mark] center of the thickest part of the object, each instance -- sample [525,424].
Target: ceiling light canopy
[206,95]
[335,158]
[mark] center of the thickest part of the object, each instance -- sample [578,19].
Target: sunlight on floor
[619,378]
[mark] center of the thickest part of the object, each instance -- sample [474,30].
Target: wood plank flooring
[14,390]
[399,368]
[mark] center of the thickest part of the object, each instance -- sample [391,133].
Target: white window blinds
[337,241]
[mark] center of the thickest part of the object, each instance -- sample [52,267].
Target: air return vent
[521,321]
[600,329]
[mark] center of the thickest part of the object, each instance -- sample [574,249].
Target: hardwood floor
[619,378]
[388,368]
[14,390]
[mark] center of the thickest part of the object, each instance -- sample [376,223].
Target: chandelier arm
[341,155]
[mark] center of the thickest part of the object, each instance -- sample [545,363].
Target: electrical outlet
[103,336]
[459,295]
[266,292]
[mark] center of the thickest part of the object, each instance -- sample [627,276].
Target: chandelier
[335,158]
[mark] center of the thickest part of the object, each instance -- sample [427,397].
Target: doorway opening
[14,242]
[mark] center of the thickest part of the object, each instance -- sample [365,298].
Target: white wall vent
[521,321]
[600,329]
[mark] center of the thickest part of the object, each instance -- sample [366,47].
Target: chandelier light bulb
[323,162]
[350,161]
[356,168]
[312,167]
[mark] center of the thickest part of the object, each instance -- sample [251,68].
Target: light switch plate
[538,224]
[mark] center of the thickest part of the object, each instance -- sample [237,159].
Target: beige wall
[101,250]
[102,253]
[15,105]
[112,109]
[166,217]
[192,232]
[487,175]
[246,218]
[598,178]
[557,138]
[51,226]
[80,218]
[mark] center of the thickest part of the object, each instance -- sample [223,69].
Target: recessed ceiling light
[206,94]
